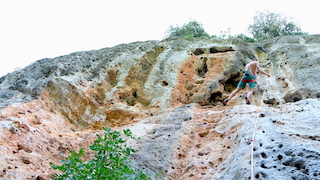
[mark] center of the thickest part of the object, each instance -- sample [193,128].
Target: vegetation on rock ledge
[266,25]
[111,161]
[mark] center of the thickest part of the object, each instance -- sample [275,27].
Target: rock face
[169,94]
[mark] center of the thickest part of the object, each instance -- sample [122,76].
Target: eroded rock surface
[169,94]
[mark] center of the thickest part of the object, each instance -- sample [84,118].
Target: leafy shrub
[225,34]
[193,28]
[268,24]
[245,38]
[188,37]
[110,162]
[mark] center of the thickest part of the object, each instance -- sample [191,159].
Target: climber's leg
[231,95]
[249,93]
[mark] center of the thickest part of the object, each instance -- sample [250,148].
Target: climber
[249,77]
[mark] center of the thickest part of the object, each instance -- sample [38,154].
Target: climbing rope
[254,132]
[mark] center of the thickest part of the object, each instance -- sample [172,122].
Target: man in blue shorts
[249,77]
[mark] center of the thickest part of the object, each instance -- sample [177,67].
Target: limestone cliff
[169,94]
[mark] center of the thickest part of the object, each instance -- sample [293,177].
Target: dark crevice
[134,94]
[212,50]
[224,49]
[165,83]
[231,83]
[203,69]
[293,97]
[198,51]
[214,97]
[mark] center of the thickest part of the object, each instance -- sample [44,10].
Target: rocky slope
[169,94]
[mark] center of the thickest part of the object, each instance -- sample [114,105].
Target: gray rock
[160,90]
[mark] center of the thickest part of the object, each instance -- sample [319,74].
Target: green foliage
[110,162]
[268,24]
[225,34]
[193,28]
[188,37]
[245,38]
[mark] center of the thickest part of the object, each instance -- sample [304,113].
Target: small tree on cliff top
[191,29]
[268,24]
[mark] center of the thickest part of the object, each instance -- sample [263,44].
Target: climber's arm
[262,71]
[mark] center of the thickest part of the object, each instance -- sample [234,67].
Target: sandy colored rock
[169,94]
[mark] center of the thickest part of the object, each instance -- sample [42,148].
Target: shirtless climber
[249,77]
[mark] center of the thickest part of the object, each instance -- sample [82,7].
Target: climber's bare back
[253,67]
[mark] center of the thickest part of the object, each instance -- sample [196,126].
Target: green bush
[225,34]
[188,37]
[268,24]
[245,38]
[110,162]
[193,28]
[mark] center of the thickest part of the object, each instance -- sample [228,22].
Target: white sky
[34,29]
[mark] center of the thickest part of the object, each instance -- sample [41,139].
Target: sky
[35,29]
